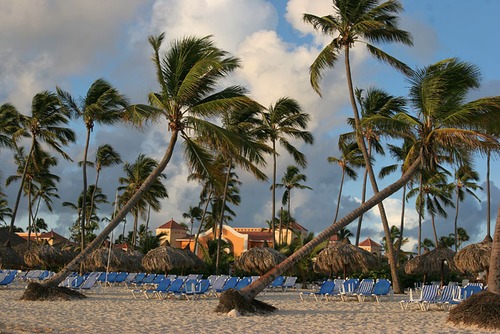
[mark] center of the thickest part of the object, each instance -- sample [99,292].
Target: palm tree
[135,175]
[350,156]
[374,103]
[45,125]
[398,153]
[193,213]
[461,236]
[284,121]
[105,156]
[103,104]
[354,22]
[5,211]
[290,180]
[188,75]
[443,123]
[344,233]
[465,182]
[427,244]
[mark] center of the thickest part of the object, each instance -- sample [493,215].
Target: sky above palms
[72,43]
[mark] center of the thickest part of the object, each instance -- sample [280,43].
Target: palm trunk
[363,198]
[20,191]
[402,224]
[61,275]
[134,230]
[362,145]
[434,231]
[201,222]
[289,214]
[30,222]
[83,221]
[280,227]
[338,201]
[488,193]
[221,218]
[456,221]
[494,275]
[273,228]
[93,193]
[251,291]
[420,215]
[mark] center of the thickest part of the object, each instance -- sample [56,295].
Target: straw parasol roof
[9,258]
[259,260]
[474,258]
[434,261]
[46,256]
[343,257]
[118,260]
[165,258]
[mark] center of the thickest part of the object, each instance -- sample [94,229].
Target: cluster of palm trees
[222,129]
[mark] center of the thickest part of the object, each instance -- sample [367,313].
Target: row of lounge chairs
[444,298]
[351,288]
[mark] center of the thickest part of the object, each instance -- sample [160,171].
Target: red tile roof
[173,225]
[369,242]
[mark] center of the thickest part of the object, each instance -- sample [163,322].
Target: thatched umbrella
[166,258]
[9,258]
[474,258]
[434,261]
[46,256]
[119,260]
[259,260]
[342,256]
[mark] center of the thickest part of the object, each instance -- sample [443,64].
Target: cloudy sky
[72,43]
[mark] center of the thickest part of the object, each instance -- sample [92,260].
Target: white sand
[114,310]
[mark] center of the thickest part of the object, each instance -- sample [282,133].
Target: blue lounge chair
[8,279]
[136,280]
[218,284]
[381,288]
[463,294]
[175,289]
[447,294]
[194,291]
[428,292]
[324,291]
[277,283]
[230,283]
[153,293]
[289,283]
[243,282]
[364,288]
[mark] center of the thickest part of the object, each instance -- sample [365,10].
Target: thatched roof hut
[259,260]
[9,258]
[46,256]
[166,258]
[119,260]
[435,261]
[474,258]
[343,257]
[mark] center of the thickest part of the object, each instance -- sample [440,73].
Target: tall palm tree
[354,22]
[5,211]
[290,180]
[46,125]
[443,122]
[105,156]
[465,182]
[283,121]
[350,156]
[374,103]
[136,174]
[103,104]
[433,194]
[399,153]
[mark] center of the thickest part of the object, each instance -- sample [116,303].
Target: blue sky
[72,43]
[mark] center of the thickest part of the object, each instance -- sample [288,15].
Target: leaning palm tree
[354,22]
[103,104]
[46,124]
[135,175]
[290,180]
[465,182]
[443,122]
[189,73]
[283,121]
[350,156]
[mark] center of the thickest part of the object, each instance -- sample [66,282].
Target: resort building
[371,246]
[52,238]
[239,238]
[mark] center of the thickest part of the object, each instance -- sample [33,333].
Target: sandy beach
[114,310]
